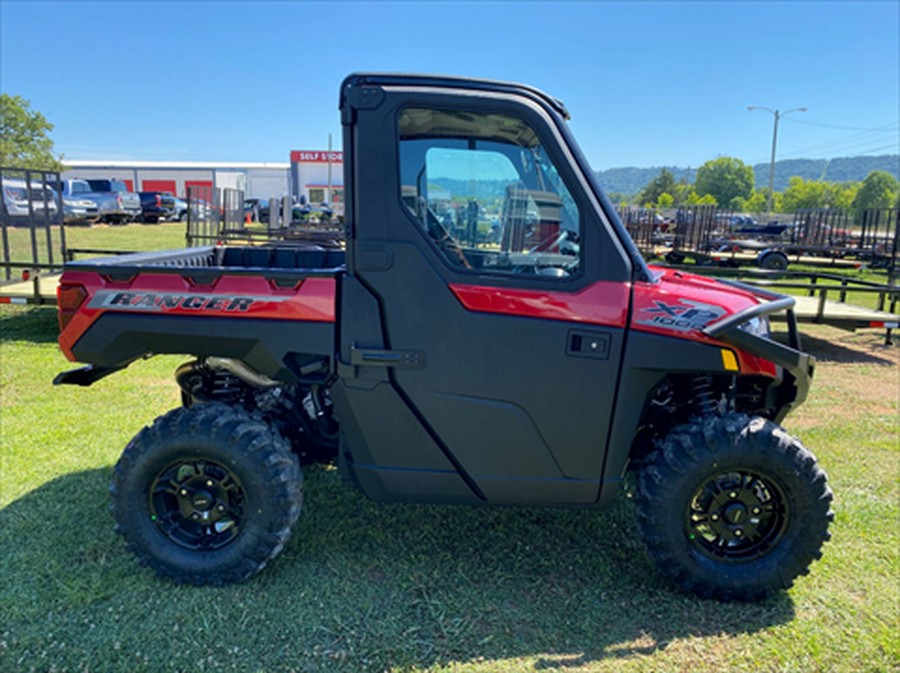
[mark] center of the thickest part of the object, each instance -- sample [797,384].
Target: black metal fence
[213,215]
[871,236]
[31,219]
[218,216]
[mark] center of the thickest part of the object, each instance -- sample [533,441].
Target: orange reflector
[729,361]
[69,299]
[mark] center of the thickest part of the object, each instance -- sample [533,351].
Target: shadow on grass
[359,586]
[848,348]
[34,324]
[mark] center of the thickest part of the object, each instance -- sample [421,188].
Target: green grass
[368,587]
[129,237]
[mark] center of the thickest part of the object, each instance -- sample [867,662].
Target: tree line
[730,183]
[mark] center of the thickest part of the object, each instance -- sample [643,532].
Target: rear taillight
[69,299]
[119,201]
[158,201]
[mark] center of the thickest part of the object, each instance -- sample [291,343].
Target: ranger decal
[163,301]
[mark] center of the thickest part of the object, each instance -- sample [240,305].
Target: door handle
[403,359]
[588,344]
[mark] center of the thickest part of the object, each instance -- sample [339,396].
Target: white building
[315,176]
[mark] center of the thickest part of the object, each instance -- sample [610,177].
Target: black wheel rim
[198,504]
[737,516]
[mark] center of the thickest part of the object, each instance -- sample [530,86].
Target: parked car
[301,212]
[44,200]
[200,210]
[181,210]
[257,209]
[130,201]
[114,202]
[156,206]
[79,210]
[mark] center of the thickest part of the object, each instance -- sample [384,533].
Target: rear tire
[206,495]
[733,507]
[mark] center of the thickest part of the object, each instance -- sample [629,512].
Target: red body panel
[681,304]
[602,303]
[677,305]
[232,296]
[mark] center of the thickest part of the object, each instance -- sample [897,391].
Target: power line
[844,128]
[861,149]
[848,142]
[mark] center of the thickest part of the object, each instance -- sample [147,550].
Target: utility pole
[777,115]
[329,171]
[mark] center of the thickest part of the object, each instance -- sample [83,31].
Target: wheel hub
[736,516]
[202,501]
[736,513]
[198,504]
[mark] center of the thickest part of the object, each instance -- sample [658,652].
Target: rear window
[108,186]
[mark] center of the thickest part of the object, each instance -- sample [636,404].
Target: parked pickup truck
[156,206]
[114,202]
[531,367]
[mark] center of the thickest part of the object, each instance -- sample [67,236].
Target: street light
[778,115]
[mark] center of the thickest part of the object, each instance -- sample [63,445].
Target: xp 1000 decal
[683,316]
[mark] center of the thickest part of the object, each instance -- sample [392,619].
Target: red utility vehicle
[489,335]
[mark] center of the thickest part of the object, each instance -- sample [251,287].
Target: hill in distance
[630,180]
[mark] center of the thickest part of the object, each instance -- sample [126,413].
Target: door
[499,298]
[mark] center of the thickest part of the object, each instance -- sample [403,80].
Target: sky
[647,83]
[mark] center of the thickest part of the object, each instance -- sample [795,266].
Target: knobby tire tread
[246,438]
[699,445]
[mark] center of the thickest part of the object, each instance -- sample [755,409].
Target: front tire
[733,507]
[206,495]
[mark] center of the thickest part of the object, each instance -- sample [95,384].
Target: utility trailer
[496,340]
[32,236]
[813,237]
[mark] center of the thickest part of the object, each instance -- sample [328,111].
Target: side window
[484,191]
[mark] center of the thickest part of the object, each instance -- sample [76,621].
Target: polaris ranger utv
[488,335]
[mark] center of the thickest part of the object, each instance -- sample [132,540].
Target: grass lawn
[367,587]
[129,237]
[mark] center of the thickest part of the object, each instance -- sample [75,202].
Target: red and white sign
[316,157]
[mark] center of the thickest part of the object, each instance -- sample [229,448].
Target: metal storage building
[315,175]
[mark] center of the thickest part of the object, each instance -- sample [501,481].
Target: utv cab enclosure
[488,335]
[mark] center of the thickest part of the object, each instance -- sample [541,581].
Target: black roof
[454,82]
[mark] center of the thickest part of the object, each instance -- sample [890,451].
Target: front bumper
[798,366]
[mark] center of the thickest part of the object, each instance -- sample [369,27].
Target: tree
[803,194]
[24,136]
[879,190]
[757,202]
[841,194]
[664,183]
[725,179]
[618,198]
[683,191]
[664,201]
[695,199]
